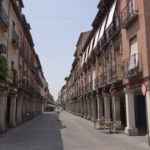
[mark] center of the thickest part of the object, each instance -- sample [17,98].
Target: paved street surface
[68,132]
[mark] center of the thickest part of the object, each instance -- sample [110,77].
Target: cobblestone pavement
[68,132]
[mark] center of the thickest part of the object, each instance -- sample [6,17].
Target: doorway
[8,110]
[123,111]
[140,114]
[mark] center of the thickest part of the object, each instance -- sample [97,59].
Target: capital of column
[128,90]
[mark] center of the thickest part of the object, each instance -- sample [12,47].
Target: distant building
[21,77]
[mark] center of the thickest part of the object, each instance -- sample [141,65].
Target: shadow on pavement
[42,133]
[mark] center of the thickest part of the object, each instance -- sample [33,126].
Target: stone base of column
[131,132]
[3,108]
[93,120]
[148,137]
[85,116]
[88,117]
[98,125]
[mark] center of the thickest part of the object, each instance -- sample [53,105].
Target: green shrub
[3,68]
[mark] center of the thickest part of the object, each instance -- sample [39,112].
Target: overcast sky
[56,26]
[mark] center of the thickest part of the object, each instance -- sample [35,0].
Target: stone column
[12,121]
[99,111]
[83,100]
[85,108]
[3,109]
[148,110]
[116,109]
[107,107]
[19,109]
[130,113]
[81,107]
[88,108]
[94,109]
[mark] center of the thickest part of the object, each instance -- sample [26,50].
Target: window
[133,62]
[132,6]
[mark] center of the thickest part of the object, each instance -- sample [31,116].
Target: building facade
[110,78]
[21,77]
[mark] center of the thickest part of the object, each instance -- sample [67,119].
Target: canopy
[96,37]
[111,14]
[91,46]
[102,28]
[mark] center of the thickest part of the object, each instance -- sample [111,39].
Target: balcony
[113,29]
[129,13]
[103,41]
[100,81]
[109,74]
[3,49]
[15,39]
[4,20]
[3,68]
[133,69]
[12,77]
[117,75]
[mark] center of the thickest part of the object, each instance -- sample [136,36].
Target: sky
[56,26]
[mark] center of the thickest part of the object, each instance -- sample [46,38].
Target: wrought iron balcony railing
[133,68]
[100,81]
[15,39]
[4,20]
[129,13]
[113,29]
[117,74]
[103,41]
[3,49]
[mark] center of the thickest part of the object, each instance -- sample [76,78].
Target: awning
[102,28]
[91,46]
[111,14]
[86,54]
[96,37]
[83,58]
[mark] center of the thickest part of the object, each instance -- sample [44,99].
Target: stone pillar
[148,110]
[3,109]
[99,111]
[19,109]
[130,113]
[13,99]
[88,108]
[85,108]
[107,106]
[81,107]
[94,109]
[116,109]
[83,100]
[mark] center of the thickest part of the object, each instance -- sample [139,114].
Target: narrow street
[66,132]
